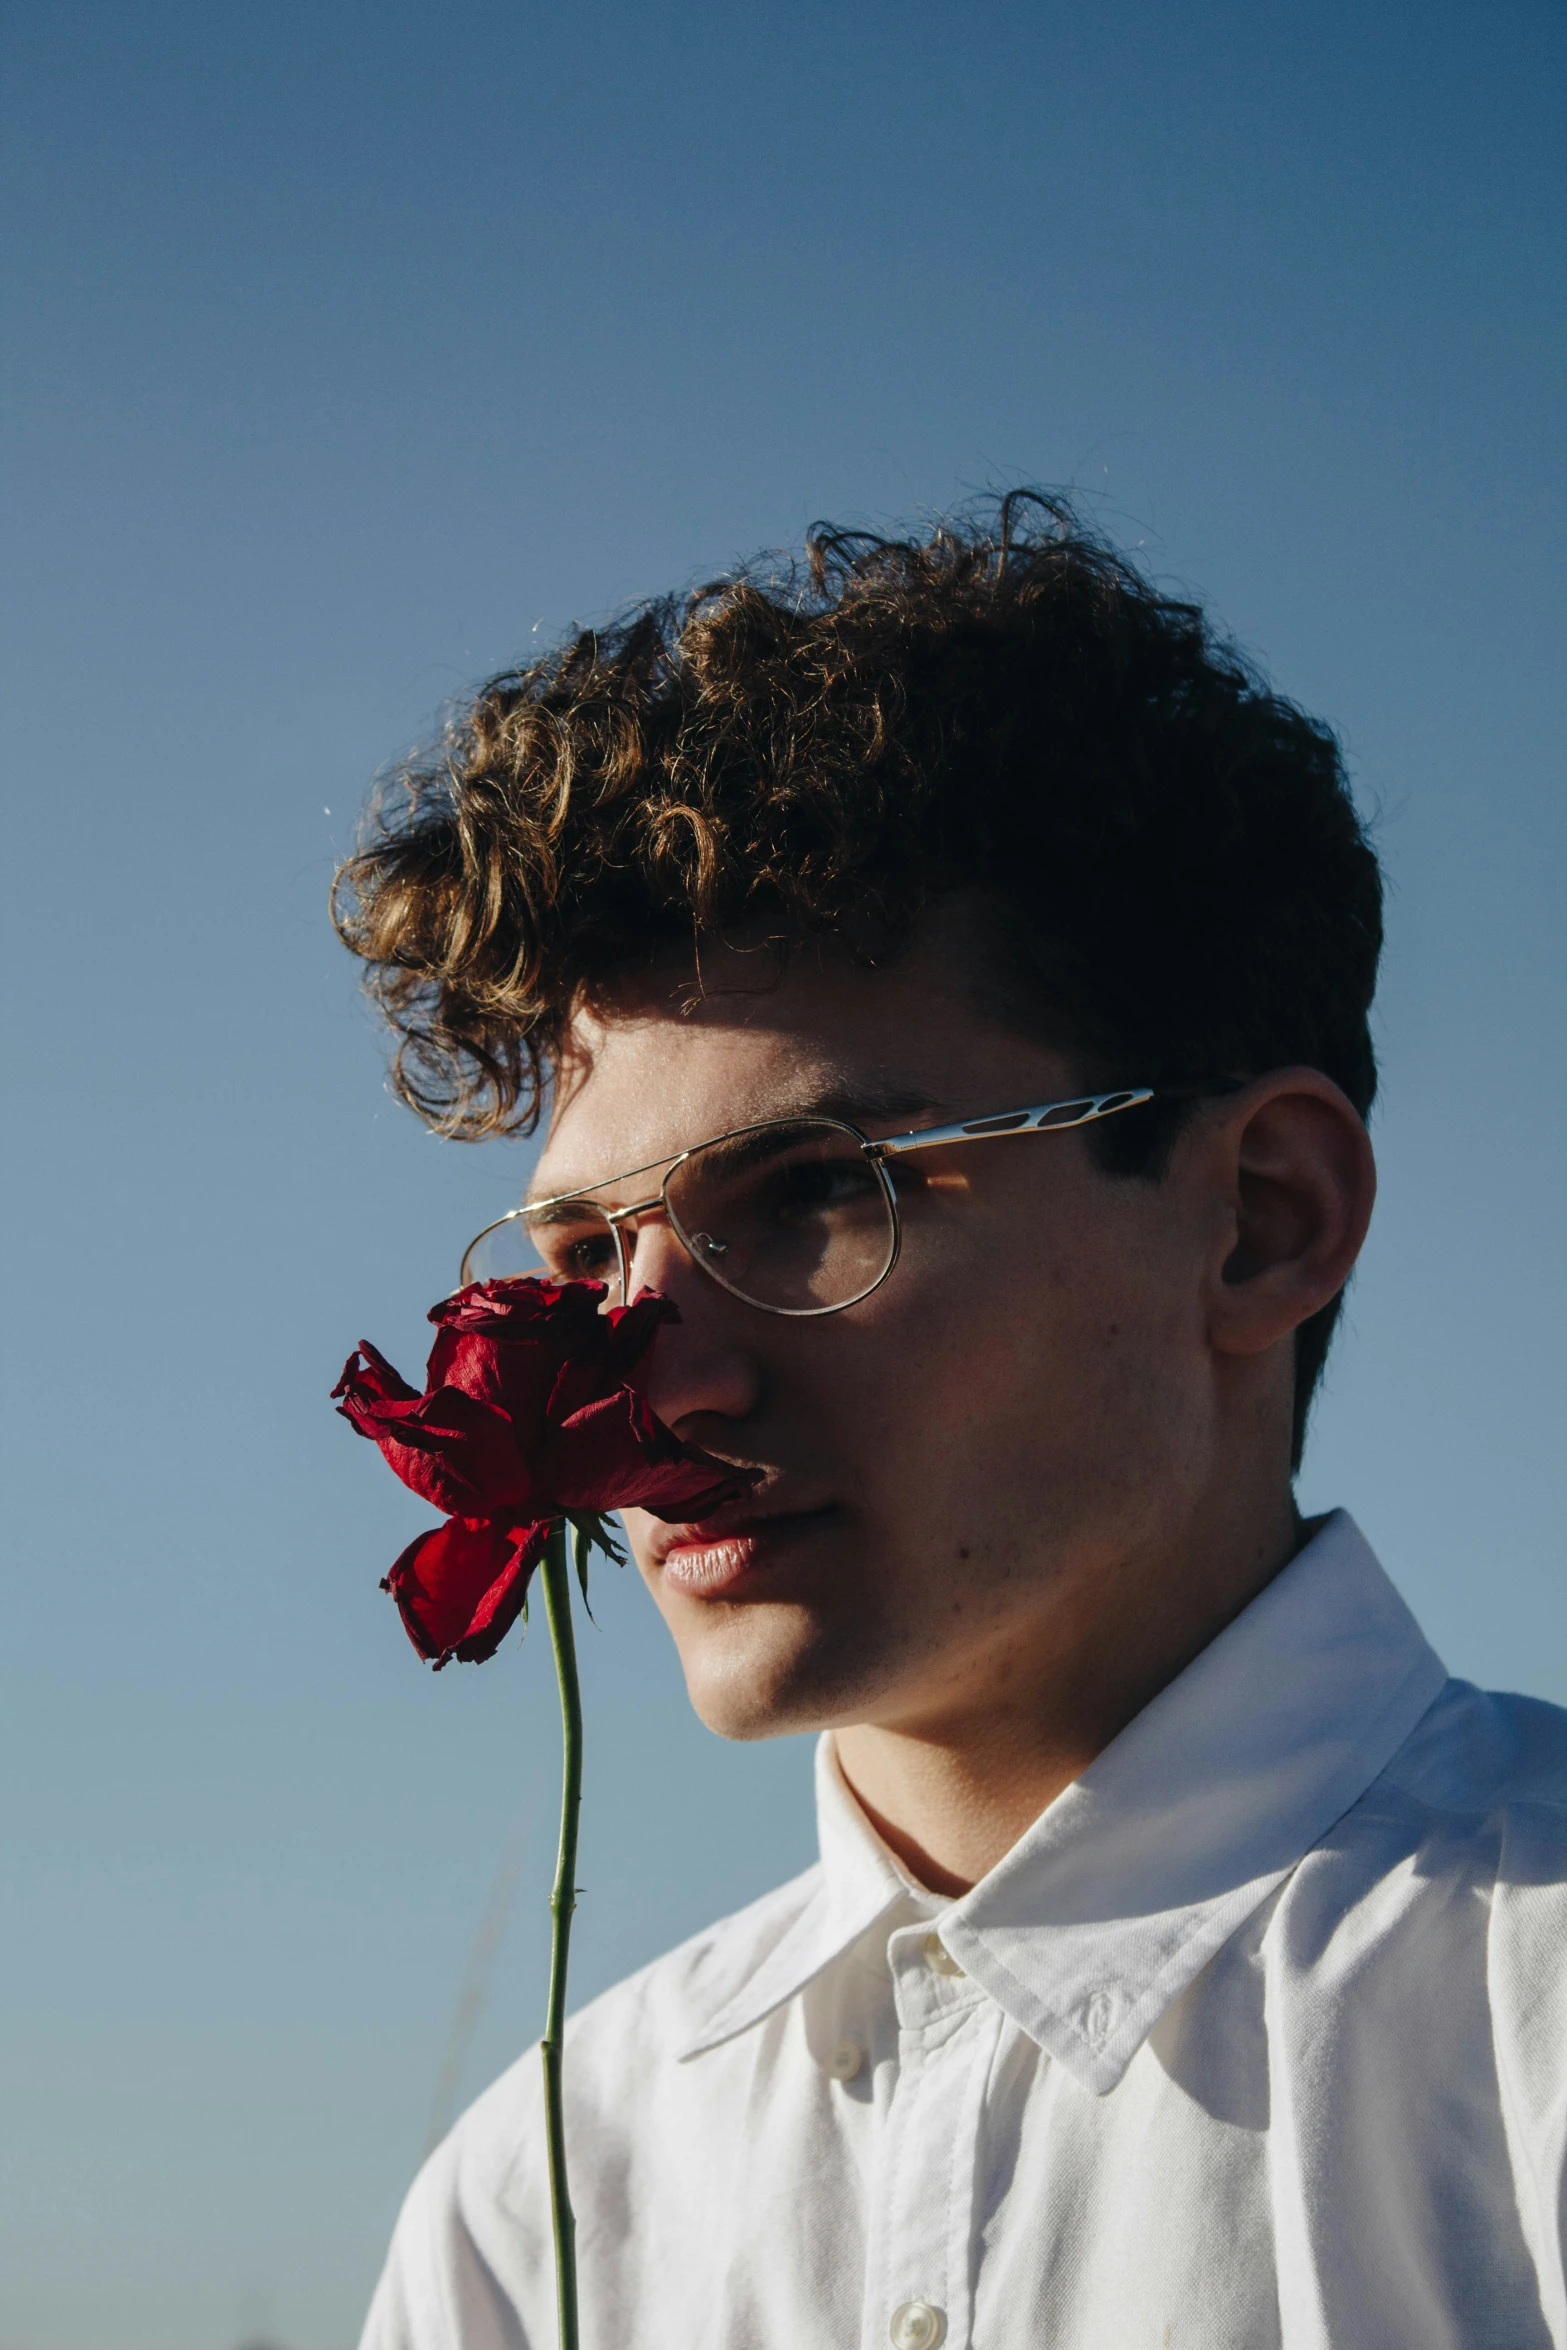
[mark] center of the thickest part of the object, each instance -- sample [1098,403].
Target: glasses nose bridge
[623,1222]
[637,1207]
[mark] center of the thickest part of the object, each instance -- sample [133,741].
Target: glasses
[794,1215]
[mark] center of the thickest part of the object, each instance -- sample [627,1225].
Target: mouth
[717,1557]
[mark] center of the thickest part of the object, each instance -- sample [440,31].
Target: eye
[576,1248]
[592,1258]
[816,1186]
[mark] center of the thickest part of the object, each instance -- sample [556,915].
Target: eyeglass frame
[1041,1118]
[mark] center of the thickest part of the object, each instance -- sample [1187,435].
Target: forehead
[682,1056]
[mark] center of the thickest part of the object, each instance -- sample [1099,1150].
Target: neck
[952,1792]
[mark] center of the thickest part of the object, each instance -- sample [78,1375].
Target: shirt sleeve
[439,2290]
[1528,1934]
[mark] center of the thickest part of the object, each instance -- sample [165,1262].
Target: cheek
[994,1388]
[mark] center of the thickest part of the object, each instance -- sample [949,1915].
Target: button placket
[929,1986]
[918,2277]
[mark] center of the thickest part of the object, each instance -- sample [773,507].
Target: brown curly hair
[1177,882]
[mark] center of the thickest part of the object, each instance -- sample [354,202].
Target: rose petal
[616,1454]
[460,1588]
[375,1379]
[515,1376]
[453,1450]
[558,1313]
[633,1329]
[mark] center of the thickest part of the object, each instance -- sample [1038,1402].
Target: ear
[1294,1158]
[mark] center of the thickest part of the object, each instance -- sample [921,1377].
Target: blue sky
[354,351]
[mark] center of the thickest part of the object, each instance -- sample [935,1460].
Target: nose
[705,1371]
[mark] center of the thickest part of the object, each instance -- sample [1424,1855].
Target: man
[1185,1962]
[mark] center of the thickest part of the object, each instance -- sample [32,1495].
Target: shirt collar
[1124,1888]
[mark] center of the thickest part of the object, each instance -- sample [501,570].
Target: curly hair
[1176,879]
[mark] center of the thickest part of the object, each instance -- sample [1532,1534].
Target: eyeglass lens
[792,1217]
[795,1218]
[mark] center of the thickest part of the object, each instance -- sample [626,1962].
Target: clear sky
[354,350]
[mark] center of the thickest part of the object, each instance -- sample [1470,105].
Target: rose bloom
[533,1409]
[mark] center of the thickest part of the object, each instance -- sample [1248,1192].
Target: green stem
[556,1579]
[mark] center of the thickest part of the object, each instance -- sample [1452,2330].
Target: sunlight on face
[951,1466]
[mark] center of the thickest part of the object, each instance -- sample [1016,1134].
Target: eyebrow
[853,1104]
[868,1101]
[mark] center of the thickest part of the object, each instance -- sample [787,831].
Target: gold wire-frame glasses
[795,1216]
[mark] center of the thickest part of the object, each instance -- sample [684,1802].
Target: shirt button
[941,1962]
[845,2061]
[917,2326]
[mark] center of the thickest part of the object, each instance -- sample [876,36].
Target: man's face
[963,1472]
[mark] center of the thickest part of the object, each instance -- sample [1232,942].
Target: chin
[772,1689]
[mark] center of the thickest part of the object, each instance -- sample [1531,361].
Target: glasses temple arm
[1042,1118]
[1051,1117]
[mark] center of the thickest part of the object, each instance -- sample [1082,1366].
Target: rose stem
[557,1604]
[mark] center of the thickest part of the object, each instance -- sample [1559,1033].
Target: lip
[715,1557]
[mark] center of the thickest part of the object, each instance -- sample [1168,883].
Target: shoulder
[1460,1841]
[639,2027]
[1476,1793]
[661,2010]
[1434,1916]
[470,2256]
[1484,1751]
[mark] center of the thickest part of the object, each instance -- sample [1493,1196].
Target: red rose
[531,1411]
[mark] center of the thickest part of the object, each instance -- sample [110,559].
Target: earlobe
[1297,1167]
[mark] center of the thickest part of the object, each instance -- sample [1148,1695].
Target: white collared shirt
[1258,2036]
